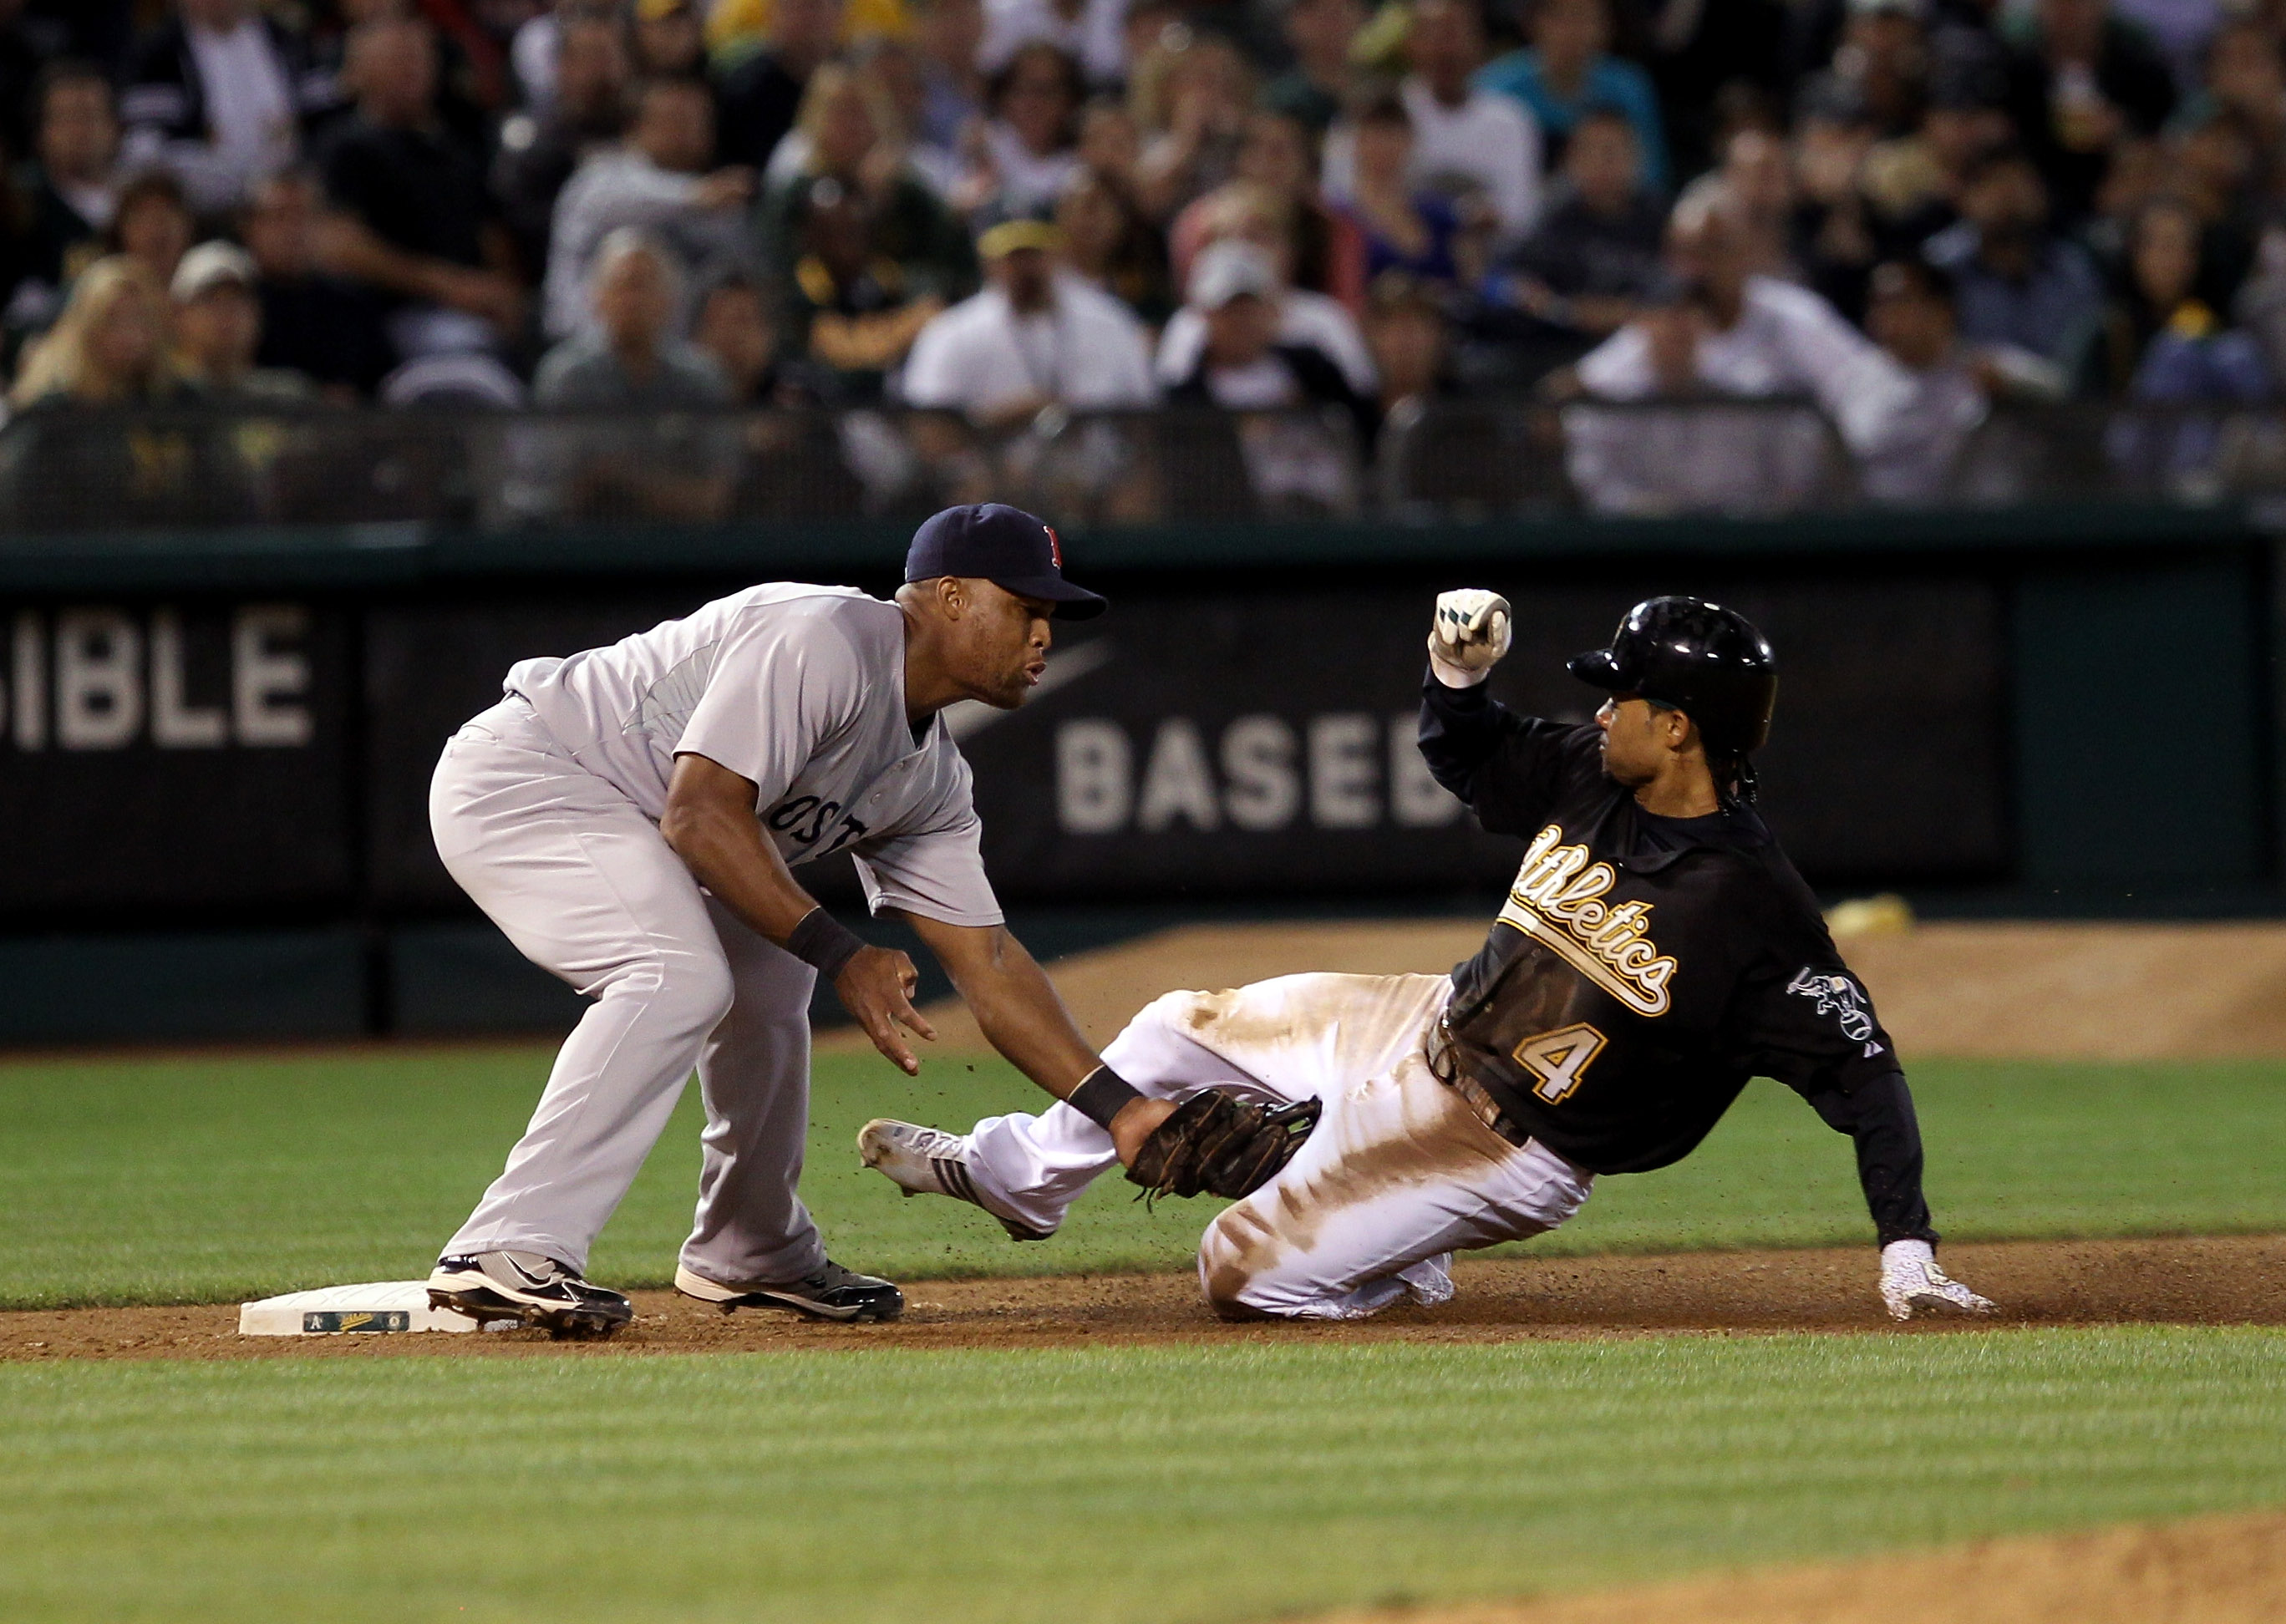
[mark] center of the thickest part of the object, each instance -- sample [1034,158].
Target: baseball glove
[1216,1144]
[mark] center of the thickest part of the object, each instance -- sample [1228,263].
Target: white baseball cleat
[930,1161]
[1910,1280]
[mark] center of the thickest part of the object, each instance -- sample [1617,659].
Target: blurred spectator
[949,35]
[1037,337]
[21,61]
[845,138]
[108,348]
[656,179]
[1569,71]
[1736,332]
[152,223]
[893,73]
[2166,343]
[1242,366]
[670,41]
[1595,259]
[627,359]
[2211,165]
[1111,246]
[218,330]
[735,329]
[762,94]
[1406,228]
[1190,98]
[538,154]
[72,189]
[1313,92]
[1834,241]
[1087,31]
[737,28]
[218,94]
[311,323]
[536,48]
[2017,282]
[1910,181]
[2081,79]
[1244,212]
[1411,341]
[1025,154]
[2246,81]
[1718,67]
[1754,189]
[411,214]
[1277,161]
[1909,312]
[851,309]
[1883,60]
[1464,139]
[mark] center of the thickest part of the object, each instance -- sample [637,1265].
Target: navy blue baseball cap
[1005,545]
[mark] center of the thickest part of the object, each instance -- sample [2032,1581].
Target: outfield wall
[217,743]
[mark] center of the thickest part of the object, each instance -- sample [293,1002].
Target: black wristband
[823,941]
[1099,1096]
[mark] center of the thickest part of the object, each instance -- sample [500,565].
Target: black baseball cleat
[831,1293]
[529,1287]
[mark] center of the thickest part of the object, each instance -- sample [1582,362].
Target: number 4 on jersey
[1559,1059]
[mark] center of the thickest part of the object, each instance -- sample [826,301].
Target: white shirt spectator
[1786,341]
[1490,141]
[1096,36]
[1086,351]
[619,188]
[1309,319]
[1029,184]
[253,126]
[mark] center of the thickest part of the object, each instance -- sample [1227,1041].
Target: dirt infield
[1974,990]
[2214,1570]
[2228,1281]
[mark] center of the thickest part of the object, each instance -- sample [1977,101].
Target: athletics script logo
[1557,900]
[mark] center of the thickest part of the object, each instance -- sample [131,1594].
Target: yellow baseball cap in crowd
[1010,235]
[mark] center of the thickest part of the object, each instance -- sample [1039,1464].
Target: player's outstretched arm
[710,825]
[1023,1017]
[1878,1116]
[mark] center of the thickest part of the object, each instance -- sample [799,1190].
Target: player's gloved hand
[1469,636]
[877,987]
[1910,1280]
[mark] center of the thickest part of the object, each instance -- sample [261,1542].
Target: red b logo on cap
[1055,547]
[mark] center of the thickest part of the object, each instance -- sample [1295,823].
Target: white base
[383,1305]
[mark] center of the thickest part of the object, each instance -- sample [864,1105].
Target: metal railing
[65,471]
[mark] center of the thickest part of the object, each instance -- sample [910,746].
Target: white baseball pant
[1399,1174]
[582,883]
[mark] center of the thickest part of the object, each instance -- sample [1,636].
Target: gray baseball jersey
[801,688]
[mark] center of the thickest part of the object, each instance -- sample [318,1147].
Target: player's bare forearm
[1022,1016]
[710,824]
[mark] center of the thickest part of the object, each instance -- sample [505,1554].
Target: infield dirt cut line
[2232,1279]
[2211,1570]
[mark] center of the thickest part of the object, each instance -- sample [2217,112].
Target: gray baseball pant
[581,881]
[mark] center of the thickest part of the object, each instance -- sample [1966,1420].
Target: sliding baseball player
[1656,951]
[631,818]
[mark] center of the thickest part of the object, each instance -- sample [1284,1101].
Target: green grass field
[1153,1484]
[211,1178]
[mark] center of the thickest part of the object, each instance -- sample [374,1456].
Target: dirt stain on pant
[1439,1139]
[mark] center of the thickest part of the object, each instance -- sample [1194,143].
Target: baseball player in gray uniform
[630,816]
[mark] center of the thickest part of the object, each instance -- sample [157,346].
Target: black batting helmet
[1705,660]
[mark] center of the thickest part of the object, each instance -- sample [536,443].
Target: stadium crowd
[1903,210]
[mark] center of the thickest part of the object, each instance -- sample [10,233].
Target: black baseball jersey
[1644,968]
